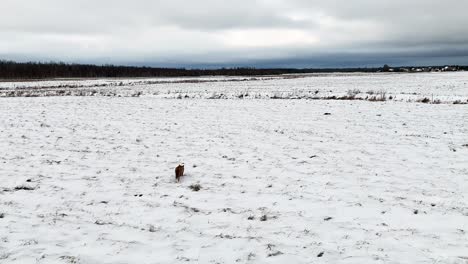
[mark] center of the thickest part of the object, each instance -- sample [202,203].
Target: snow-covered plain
[446,87]
[91,179]
[103,82]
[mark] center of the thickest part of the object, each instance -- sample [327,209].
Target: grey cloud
[212,32]
[85,16]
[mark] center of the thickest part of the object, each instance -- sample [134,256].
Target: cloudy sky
[214,33]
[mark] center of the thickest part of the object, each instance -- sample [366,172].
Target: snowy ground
[446,87]
[103,82]
[91,180]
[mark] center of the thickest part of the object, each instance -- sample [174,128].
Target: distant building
[450,68]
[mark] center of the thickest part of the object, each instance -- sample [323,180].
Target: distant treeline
[36,70]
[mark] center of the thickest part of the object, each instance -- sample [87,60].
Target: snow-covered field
[91,179]
[447,87]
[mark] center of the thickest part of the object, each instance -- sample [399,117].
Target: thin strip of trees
[38,70]
[10,70]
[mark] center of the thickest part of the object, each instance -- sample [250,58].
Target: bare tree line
[10,70]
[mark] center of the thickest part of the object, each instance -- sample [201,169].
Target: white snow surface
[115,81]
[91,179]
[445,87]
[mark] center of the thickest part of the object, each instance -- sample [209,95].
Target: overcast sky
[213,33]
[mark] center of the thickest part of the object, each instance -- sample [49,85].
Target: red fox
[179,171]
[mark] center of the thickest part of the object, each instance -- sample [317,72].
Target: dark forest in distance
[10,70]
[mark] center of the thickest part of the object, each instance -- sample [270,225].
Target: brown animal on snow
[179,171]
